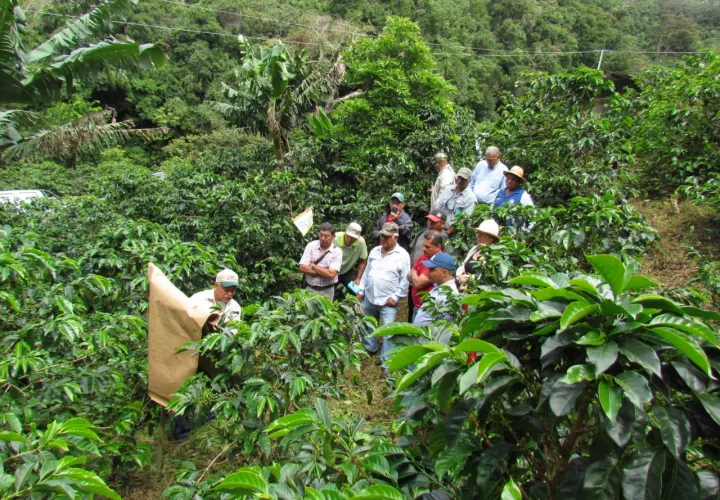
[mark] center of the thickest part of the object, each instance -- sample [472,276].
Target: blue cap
[441,259]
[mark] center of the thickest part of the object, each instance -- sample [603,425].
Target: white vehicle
[24,195]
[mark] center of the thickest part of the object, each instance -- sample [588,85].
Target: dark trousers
[341,288]
[411,307]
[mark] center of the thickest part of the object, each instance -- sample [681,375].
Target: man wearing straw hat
[513,193]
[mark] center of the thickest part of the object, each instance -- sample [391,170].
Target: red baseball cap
[437,215]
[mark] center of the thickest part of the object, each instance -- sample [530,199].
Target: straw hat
[517,172]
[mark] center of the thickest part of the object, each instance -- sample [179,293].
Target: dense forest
[582,361]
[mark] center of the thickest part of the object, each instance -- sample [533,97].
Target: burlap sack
[172,321]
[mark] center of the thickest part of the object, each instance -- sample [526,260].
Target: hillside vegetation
[589,379]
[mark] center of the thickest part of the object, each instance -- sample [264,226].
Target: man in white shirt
[445,178]
[221,296]
[384,284]
[487,178]
[442,275]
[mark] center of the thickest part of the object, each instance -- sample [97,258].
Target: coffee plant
[580,385]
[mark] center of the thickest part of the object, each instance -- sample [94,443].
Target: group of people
[400,263]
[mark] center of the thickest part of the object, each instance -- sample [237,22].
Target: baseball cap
[441,259]
[440,156]
[465,173]
[399,197]
[390,229]
[437,215]
[354,230]
[226,277]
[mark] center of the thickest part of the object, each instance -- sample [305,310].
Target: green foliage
[674,133]
[40,74]
[559,239]
[32,465]
[584,383]
[284,351]
[272,90]
[550,128]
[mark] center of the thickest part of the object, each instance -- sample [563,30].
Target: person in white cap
[487,178]
[221,296]
[457,199]
[354,255]
[445,178]
[487,233]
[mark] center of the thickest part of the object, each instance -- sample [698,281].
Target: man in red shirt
[419,274]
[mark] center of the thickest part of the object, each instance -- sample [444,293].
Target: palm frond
[11,51]
[10,121]
[48,81]
[88,133]
[95,22]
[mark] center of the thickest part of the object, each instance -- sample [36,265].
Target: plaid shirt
[333,260]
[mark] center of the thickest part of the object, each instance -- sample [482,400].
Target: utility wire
[513,53]
[170,28]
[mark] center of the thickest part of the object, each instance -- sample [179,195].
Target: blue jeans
[386,314]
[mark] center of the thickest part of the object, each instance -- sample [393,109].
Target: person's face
[325,238]
[388,242]
[440,164]
[435,226]
[485,239]
[461,182]
[512,182]
[224,293]
[492,159]
[429,249]
[438,275]
[395,203]
[349,240]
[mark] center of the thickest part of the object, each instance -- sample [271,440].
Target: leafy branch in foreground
[32,466]
[583,385]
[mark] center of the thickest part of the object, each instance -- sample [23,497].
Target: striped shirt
[333,260]
[386,277]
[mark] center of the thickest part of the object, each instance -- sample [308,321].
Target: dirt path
[684,229]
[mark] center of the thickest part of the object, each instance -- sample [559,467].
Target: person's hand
[392,217]
[357,282]
[463,278]
[391,302]
[360,296]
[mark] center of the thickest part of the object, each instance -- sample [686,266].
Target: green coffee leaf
[610,397]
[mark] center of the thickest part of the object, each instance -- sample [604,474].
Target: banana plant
[582,385]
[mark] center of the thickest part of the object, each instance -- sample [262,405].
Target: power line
[170,28]
[513,53]
[252,16]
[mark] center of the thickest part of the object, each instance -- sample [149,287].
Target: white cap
[226,277]
[354,230]
[490,227]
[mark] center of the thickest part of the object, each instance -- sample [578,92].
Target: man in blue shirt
[487,178]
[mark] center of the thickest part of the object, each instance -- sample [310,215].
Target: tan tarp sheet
[172,321]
